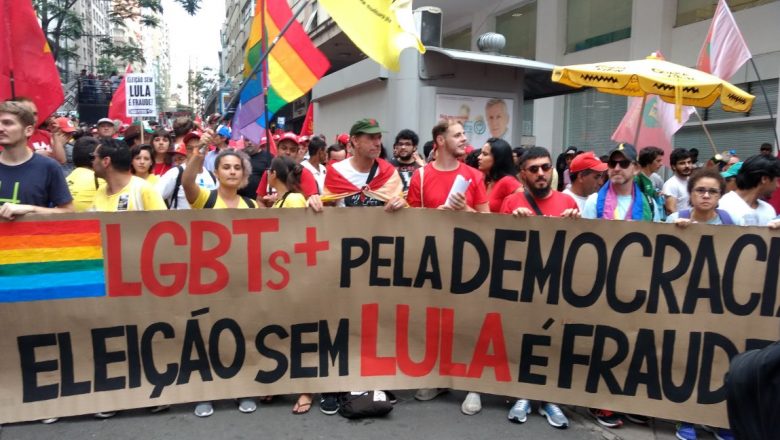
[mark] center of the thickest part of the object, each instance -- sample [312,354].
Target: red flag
[271,143]
[26,57]
[724,50]
[308,123]
[118,107]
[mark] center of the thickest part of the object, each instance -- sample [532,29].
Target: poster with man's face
[482,117]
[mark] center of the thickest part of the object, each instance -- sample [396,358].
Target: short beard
[539,193]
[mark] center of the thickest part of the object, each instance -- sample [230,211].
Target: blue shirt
[39,182]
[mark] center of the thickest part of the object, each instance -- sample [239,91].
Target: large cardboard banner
[111,311]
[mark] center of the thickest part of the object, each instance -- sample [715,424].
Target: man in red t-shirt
[539,198]
[430,185]
[287,145]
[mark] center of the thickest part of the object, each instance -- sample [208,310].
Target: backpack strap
[212,200]
[249,202]
[725,217]
[173,202]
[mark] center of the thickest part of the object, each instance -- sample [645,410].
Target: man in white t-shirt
[588,174]
[169,185]
[316,161]
[676,188]
[756,180]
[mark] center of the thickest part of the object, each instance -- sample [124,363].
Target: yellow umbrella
[673,83]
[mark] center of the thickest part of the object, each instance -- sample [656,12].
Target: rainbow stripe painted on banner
[51,260]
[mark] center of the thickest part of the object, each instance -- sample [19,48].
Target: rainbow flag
[51,260]
[293,67]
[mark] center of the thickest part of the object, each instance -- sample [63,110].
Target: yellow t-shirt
[138,195]
[203,197]
[291,200]
[82,186]
[152,178]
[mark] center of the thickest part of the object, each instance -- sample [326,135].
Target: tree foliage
[62,25]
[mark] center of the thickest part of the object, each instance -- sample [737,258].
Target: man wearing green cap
[364,179]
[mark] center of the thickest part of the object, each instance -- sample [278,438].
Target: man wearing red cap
[288,145]
[587,176]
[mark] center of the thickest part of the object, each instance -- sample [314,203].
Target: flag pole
[237,96]
[766,98]
[265,76]
[706,130]
[639,121]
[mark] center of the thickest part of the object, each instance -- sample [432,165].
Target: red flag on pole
[308,123]
[724,50]
[26,64]
[118,107]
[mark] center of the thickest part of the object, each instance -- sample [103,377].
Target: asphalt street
[410,419]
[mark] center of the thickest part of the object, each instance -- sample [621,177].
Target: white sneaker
[204,409]
[105,415]
[472,404]
[520,410]
[425,394]
[50,420]
[247,405]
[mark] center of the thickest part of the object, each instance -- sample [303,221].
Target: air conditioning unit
[429,20]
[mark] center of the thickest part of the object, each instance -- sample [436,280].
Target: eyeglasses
[533,169]
[625,163]
[404,144]
[709,191]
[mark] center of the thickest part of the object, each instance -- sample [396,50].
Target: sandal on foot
[302,407]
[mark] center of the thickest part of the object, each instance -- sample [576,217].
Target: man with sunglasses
[538,197]
[621,198]
[588,174]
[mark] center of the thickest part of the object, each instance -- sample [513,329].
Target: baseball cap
[367,126]
[303,138]
[627,150]
[263,141]
[223,131]
[343,138]
[570,150]
[105,121]
[732,171]
[65,124]
[587,161]
[181,149]
[290,136]
[191,135]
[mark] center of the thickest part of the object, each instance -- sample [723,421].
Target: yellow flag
[380,28]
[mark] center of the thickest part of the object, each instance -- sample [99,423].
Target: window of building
[591,118]
[591,23]
[691,11]
[518,26]
[458,40]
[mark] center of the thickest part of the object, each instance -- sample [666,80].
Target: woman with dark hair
[163,152]
[498,165]
[143,162]
[232,169]
[284,176]
[705,186]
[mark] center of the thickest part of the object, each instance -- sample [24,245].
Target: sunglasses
[624,163]
[533,169]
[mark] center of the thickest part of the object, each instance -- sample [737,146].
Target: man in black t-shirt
[260,158]
[29,183]
[405,156]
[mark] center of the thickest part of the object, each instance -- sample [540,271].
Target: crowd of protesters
[67,168]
